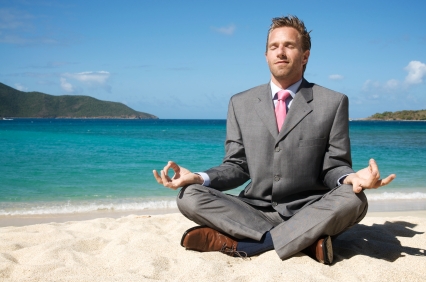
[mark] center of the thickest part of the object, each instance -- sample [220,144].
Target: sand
[383,247]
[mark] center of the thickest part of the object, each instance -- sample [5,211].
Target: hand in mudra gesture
[368,178]
[181,178]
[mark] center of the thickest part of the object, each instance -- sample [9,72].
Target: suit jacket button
[276,178]
[274,204]
[277,149]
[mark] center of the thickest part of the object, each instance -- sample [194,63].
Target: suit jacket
[291,168]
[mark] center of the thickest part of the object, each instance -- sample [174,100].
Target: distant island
[400,115]
[15,103]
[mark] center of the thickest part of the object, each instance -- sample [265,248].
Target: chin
[281,75]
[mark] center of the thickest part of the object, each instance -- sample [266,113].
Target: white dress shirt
[292,89]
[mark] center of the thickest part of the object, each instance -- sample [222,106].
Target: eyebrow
[278,42]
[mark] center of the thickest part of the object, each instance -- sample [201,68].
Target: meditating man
[290,138]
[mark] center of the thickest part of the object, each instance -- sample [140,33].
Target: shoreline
[24,220]
[410,208]
[386,200]
[366,119]
[380,208]
[108,118]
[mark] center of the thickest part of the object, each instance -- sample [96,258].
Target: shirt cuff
[341,179]
[205,177]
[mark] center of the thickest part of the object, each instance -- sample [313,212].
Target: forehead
[284,34]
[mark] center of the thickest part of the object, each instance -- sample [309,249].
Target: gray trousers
[332,214]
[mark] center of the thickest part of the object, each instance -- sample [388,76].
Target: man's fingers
[171,182]
[157,177]
[164,177]
[374,169]
[377,184]
[373,179]
[174,182]
[173,166]
[387,180]
[168,182]
[166,168]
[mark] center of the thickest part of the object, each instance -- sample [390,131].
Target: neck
[284,83]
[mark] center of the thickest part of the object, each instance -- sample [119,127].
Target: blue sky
[185,59]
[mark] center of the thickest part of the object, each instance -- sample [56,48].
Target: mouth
[281,62]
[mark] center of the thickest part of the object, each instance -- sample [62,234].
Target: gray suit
[293,173]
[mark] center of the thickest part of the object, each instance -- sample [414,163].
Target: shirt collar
[292,88]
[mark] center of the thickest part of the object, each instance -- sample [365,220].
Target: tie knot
[283,94]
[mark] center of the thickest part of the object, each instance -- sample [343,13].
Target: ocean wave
[123,205]
[69,207]
[396,196]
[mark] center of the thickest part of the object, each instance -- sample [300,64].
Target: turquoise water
[67,166]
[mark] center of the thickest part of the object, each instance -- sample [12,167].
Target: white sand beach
[383,247]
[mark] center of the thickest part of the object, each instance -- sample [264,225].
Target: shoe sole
[328,250]
[187,231]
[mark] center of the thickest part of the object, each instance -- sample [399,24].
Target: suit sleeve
[233,171]
[337,159]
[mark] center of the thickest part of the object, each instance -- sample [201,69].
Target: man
[291,139]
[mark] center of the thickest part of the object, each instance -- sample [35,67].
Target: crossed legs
[335,212]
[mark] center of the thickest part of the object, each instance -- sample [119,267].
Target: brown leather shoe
[321,250]
[206,239]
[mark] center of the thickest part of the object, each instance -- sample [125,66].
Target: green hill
[400,115]
[15,103]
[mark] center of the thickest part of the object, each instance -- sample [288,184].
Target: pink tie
[280,108]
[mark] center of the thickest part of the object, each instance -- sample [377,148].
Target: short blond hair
[297,24]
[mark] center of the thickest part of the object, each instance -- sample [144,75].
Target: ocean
[72,166]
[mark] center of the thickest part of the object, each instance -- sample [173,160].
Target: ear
[266,56]
[306,56]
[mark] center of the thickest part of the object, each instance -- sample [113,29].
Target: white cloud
[335,77]
[90,77]
[20,87]
[66,85]
[391,84]
[12,24]
[20,28]
[369,85]
[416,71]
[374,86]
[227,30]
[12,19]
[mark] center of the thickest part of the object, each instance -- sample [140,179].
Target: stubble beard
[286,75]
[282,73]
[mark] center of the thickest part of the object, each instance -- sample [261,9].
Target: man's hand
[368,178]
[182,176]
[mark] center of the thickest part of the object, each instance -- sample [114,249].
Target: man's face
[285,56]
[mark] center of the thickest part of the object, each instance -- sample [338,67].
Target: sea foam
[123,205]
[396,196]
[46,208]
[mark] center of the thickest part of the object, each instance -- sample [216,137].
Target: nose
[281,52]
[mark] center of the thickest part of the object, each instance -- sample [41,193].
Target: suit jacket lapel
[265,110]
[300,108]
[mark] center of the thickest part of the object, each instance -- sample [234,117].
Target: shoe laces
[233,252]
